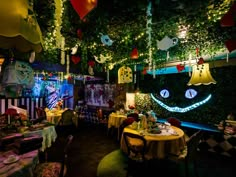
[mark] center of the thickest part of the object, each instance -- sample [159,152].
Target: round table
[159,145]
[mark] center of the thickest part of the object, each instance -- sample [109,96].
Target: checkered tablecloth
[219,143]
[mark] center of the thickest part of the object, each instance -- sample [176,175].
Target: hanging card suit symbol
[75,59]
[200,61]
[228,19]
[180,67]
[134,53]
[79,33]
[231,45]
[144,71]
[91,63]
[83,7]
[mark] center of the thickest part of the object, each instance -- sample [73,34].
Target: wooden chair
[134,115]
[136,146]
[66,126]
[174,121]
[54,169]
[124,124]
[189,155]
[41,115]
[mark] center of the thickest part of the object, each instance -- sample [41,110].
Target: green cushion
[113,164]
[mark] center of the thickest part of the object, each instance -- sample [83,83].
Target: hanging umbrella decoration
[19,28]
[83,7]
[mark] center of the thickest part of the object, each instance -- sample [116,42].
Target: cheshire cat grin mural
[170,96]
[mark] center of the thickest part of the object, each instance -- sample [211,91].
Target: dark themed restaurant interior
[114,88]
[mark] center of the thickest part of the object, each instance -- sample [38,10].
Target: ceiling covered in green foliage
[129,24]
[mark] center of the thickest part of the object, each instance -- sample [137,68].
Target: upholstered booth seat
[52,169]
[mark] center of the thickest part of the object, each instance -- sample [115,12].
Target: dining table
[115,120]
[169,140]
[47,132]
[18,165]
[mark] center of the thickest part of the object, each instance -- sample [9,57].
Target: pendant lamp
[201,75]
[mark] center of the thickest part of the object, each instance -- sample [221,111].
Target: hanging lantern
[201,75]
[134,53]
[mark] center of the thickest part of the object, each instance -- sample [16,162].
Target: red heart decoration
[180,67]
[231,45]
[200,61]
[228,19]
[75,59]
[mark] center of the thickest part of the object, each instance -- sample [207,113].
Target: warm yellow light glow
[201,75]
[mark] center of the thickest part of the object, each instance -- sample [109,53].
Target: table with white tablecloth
[48,133]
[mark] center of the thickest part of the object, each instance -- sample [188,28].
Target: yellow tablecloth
[23,167]
[54,116]
[115,120]
[158,146]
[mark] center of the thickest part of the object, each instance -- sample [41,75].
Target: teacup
[11,158]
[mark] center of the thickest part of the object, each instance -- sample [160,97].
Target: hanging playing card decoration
[134,53]
[83,7]
[75,59]
[125,75]
[106,40]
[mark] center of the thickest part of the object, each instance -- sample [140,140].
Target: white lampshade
[201,75]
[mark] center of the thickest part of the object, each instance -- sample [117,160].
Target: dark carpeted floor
[91,144]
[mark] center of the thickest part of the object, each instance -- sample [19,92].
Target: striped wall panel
[29,103]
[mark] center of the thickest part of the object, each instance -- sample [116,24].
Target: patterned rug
[113,165]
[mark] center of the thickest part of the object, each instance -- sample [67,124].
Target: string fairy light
[149,30]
